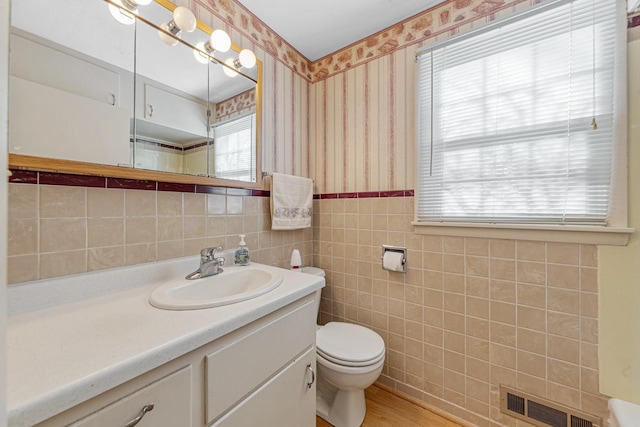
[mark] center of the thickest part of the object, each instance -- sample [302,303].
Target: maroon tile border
[347,195]
[131,184]
[261,193]
[392,193]
[329,196]
[633,22]
[23,177]
[191,147]
[51,178]
[176,187]
[366,194]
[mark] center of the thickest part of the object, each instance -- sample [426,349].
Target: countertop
[63,350]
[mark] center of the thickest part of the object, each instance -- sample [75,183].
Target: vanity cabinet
[290,394]
[170,397]
[260,374]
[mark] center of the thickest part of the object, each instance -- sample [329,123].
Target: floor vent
[542,412]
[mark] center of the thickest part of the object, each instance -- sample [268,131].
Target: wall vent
[542,412]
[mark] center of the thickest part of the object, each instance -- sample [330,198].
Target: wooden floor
[387,410]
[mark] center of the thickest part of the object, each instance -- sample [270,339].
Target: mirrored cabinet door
[171,102]
[71,86]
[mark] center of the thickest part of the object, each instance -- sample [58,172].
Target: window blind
[234,149]
[507,120]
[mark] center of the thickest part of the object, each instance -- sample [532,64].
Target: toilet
[349,359]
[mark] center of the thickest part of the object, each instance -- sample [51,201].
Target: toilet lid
[349,343]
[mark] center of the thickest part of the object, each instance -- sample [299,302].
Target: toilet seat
[347,344]
[348,363]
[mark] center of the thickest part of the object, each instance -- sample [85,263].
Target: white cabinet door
[42,64]
[175,111]
[171,399]
[48,122]
[235,370]
[284,401]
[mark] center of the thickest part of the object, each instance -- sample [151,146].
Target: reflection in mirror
[234,138]
[71,86]
[87,107]
[171,103]
[178,127]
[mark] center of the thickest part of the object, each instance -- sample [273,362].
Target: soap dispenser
[242,252]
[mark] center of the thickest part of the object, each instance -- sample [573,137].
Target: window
[520,123]
[234,149]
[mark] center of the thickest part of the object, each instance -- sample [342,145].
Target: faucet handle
[208,254]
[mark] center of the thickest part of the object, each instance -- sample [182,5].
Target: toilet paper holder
[396,249]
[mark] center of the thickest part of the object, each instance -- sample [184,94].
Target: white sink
[233,285]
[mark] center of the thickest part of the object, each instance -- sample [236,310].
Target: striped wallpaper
[363,127]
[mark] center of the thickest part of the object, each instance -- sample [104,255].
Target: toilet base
[341,408]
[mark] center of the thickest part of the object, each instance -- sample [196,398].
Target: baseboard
[423,405]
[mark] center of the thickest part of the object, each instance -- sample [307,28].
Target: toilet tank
[316,272]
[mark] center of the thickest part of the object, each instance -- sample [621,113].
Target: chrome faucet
[209,264]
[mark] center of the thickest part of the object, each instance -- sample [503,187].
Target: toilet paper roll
[392,261]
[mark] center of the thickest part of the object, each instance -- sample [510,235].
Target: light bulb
[247,58]
[220,41]
[120,14]
[166,38]
[200,57]
[184,19]
[229,70]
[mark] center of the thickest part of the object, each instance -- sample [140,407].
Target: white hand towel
[291,202]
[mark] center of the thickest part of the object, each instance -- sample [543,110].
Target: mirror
[113,98]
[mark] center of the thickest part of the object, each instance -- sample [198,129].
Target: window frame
[615,233]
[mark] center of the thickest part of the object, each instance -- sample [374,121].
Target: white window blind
[506,130]
[234,149]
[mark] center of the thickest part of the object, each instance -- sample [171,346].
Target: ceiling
[318,28]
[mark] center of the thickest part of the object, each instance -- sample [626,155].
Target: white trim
[633,6]
[4,198]
[619,203]
[615,236]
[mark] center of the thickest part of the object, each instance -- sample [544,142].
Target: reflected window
[234,149]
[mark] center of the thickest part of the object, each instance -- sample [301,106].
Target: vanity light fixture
[128,8]
[246,59]
[183,19]
[218,42]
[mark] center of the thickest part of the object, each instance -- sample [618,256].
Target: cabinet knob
[146,408]
[150,110]
[313,376]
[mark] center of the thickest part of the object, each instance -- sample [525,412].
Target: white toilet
[350,358]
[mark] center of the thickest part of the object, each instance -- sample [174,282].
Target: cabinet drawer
[171,397]
[239,368]
[285,400]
